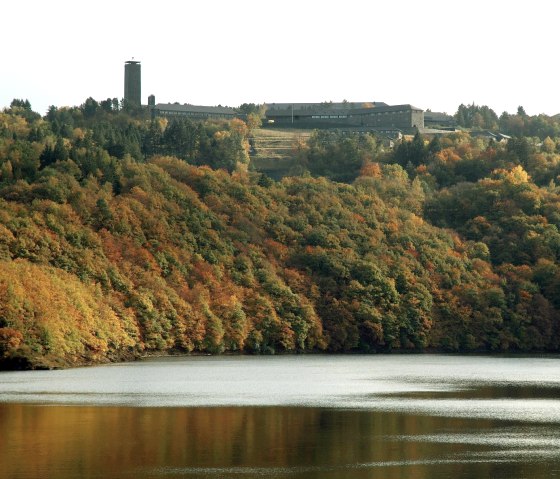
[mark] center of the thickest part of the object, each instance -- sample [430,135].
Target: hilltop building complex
[353,116]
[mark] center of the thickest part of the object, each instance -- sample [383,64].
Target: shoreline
[24,365]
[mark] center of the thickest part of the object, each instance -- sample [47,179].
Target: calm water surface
[285,417]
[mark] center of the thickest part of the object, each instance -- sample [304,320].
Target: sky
[433,54]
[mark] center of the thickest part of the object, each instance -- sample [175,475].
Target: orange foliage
[371,169]
[448,155]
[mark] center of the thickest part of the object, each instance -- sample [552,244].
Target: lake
[307,416]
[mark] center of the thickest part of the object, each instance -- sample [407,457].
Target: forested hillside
[121,236]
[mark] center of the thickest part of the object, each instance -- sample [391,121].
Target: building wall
[403,118]
[309,121]
[132,83]
[438,119]
[417,119]
[195,115]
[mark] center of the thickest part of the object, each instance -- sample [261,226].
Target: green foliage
[474,116]
[338,156]
[411,153]
[121,235]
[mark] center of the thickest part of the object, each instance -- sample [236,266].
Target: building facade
[194,112]
[405,117]
[433,119]
[376,115]
[132,83]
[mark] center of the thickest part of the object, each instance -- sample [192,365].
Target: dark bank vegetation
[121,236]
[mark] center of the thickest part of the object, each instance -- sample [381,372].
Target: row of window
[387,113]
[376,113]
[194,113]
[328,116]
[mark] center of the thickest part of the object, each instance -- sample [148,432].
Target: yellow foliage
[221,135]
[78,134]
[516,176]
[60,318]
[239,126]
[15,124]
[548,145]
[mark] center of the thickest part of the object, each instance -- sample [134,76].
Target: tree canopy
[122,235]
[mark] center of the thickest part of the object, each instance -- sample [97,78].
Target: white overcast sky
[432,54]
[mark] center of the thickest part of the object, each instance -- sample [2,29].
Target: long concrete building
[193,112]
[341,115]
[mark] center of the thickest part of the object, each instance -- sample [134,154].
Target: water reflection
[312,417]
[272,442]
[476,391]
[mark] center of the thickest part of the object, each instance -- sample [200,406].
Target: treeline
[113,245]
[94,135]
[518,124]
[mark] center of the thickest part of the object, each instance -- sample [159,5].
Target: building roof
[222,110]
[361,111]
[321,111]
[436,131]
[309,109]
[489,134]
[274,107]
[436,116]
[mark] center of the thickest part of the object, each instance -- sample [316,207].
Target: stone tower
[132,83]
